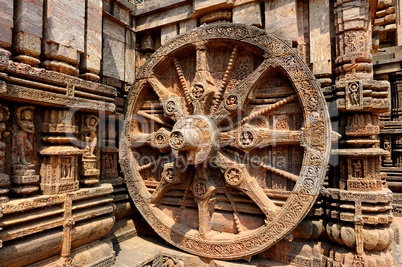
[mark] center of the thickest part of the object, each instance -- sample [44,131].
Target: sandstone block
[241,2]
[187,25]
[281,19]
[30,17]
[249,14]
[122,14]
[320,38]
[209,4]
[130,57]
[169,16]
[168,32]
[27,44]
[113,58]
[6,23]
[94,17]
[113,30]
[65,23]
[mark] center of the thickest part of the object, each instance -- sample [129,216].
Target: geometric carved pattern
[226,141]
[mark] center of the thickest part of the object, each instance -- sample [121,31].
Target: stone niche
[58,171]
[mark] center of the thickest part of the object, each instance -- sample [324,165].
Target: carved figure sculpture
[212,197]
[22,129]
[353,93]
[90,132]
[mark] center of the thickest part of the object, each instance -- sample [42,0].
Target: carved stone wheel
[226,141]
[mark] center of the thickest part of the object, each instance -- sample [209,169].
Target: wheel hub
[194,139]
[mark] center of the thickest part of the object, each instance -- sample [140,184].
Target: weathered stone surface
[320,37]
[6,23]
[91,58]
[113,50]
[168,32]
[281,19]
[249,14]
[60,44]
[173,15]
[204,6]
[187,25]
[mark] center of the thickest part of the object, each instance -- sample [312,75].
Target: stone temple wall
[66,67]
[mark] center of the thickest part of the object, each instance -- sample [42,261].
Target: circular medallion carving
[231,102]
[225,142]
[233,176]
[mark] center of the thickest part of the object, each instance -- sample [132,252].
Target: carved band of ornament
[43,201]
[366,197]
[59,78]
[37,96]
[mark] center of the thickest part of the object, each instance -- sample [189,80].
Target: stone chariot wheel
[226,141]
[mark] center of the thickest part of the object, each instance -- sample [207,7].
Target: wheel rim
[204,134]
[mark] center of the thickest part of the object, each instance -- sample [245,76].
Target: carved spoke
[169,177]
[238,177]
[203,85]
[153,118]
[248,138]
[172,104]
[203,191]
[158,140]
[236,99]
[284,174]
[159,88]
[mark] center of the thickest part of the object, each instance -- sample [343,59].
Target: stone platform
[150,251]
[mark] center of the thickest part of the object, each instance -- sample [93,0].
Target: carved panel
[224,158]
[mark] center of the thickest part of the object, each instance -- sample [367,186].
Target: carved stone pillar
[24,178]
[6,25]
[28,30]
[59,171]
[4,178]
[89,173]
[63,41]
[91,58]
[361,218]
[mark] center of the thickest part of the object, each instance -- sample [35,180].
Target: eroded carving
[24,179]
[4,178]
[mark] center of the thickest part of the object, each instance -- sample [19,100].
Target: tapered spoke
[204,191]
[237,176]
[158,140]
[172,104]
[170,176]
[288,175]
[203,85]
[249,138]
